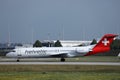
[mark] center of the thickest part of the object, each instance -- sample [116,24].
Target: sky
[25,21]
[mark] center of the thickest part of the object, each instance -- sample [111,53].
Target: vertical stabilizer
[103,45]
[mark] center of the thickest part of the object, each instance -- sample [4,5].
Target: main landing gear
[62,59]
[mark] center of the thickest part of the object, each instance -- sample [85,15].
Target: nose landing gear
[18,60]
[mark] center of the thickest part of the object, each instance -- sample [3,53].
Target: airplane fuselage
[43,52]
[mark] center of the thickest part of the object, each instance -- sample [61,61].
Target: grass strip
[60,68]
[59,76]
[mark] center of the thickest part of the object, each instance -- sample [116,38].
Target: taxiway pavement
[61,63]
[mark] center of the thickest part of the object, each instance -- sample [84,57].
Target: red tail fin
[103,45]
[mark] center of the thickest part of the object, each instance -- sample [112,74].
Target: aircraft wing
[59,55]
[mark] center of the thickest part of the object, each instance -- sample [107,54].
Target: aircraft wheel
[62,60]
[18,60]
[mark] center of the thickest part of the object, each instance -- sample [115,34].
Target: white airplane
[64,52]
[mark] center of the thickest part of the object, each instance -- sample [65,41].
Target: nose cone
[11,54]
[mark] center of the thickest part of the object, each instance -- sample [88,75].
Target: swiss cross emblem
[105,41]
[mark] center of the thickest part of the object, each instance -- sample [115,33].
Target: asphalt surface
[49,61]
[60,63]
